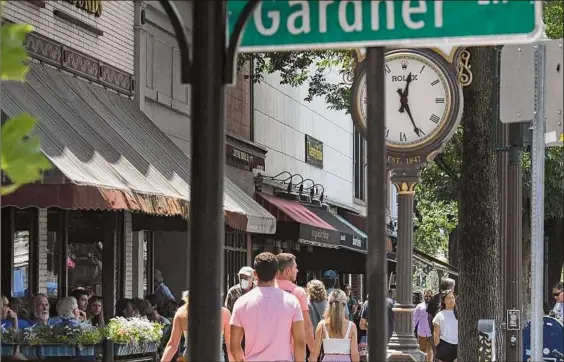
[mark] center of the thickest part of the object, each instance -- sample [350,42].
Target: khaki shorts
[425,343]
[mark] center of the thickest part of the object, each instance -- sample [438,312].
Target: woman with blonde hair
[336,332]
[317,301]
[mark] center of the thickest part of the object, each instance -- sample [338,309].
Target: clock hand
[416,129]
[406,90]
[403,101]
[404,94]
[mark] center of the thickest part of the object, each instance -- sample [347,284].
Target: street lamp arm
[275,178]
[235,39]
[182,38]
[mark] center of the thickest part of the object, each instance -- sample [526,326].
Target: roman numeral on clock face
[439,100]
[434,118]
[403,137]
[435,82]
[388,70]
[387,132]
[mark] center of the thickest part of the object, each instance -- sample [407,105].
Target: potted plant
[134,335]
[10,339]
[87,338]
[63,339]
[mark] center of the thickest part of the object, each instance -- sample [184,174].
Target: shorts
[446,352]
[424,343]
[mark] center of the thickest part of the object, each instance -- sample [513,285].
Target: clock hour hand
[404,94]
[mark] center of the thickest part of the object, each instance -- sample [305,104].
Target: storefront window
[53,252]
[84,256]
[145,261]
[85,266]
[23,228]
[20,270]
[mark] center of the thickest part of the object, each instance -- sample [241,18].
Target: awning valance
[312,225]
[115,157]
[297,222]
[349,238]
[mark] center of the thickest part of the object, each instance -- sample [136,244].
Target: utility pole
[502,135]
[514,245]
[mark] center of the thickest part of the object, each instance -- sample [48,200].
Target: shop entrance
[235,256]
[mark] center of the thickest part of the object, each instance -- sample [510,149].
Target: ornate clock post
[403,339]
[423,110]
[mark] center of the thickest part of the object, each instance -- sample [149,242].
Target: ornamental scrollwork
[464,71]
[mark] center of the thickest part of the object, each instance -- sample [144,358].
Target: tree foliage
[21,158]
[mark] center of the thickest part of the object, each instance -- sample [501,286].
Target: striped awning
[114,156]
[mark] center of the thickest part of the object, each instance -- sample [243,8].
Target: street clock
[423,104]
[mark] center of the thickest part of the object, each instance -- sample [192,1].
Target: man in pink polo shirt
[287,274]
[269,318]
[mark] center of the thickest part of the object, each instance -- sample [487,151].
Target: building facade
[95,42]
[166,102]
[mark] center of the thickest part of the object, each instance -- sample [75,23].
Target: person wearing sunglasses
[558,293]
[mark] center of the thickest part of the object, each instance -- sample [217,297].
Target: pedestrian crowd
[267,317]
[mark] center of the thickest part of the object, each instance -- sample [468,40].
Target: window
[359,167]
[54,238]
[84,254]
[22,234]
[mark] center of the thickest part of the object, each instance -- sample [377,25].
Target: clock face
[418,99]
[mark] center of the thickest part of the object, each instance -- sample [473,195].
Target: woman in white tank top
[336,333]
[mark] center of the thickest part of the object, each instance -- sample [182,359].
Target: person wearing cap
[330,278]
[245,284]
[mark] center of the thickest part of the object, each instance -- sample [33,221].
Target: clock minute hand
[407,82]
[416,129]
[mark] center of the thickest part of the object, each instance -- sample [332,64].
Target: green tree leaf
[21,157]
[13,64]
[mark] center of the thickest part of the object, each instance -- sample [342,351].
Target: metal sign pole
[377,191]
[537,206]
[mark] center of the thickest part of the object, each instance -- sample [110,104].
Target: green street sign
[304,25]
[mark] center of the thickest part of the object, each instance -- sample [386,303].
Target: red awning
[289,210]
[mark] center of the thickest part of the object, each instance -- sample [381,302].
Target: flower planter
[130,348]
[150,347]
[8,350]
[127,349]
[28,351]
[89,350]
[56,350]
